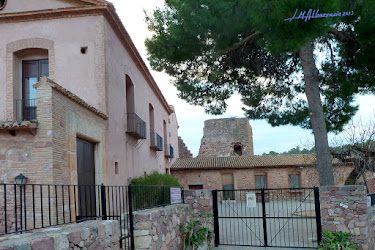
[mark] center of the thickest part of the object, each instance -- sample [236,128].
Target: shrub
[336,241]
[196,231]
[152,190]
[155,178]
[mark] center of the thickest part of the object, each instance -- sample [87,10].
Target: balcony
[136,126]
[25,109]
[169,153]
[24,117]
[156,141]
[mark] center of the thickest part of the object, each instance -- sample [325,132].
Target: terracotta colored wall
[74,71]
[134,157]
[245,178]
[98,77]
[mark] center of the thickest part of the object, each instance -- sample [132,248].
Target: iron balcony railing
[156,141]
[25,109]
[169,153]
[136,126]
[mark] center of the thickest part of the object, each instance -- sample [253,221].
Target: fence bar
[264,219]
[103,201]
[216,218]
[5,208]
[131,228]
[318,217]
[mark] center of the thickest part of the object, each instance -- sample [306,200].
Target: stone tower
[226,137]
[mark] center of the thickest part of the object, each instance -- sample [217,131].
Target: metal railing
[145,197]
[29,207]
[156,141]
[25,109]
[169,152]
[136,126]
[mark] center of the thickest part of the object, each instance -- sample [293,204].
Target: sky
[191,118]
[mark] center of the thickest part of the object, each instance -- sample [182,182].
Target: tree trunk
[316,114]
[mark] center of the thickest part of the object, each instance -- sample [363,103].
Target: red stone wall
[344,208]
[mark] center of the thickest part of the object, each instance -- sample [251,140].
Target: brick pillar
[344,208]
[201,200]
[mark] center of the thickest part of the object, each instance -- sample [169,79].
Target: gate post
[103,201]
[317,213]
[216,219]
[264,219]
[131,225]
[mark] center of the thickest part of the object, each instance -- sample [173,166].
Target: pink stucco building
[97,117]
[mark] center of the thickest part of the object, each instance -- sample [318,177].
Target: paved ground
[292,230]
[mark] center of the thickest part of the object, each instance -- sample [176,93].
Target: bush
[152,190]
[155,178]
[336,241]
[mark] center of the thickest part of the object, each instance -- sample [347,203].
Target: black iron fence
[29,207]
[145,197]
[25,109]
[287,218]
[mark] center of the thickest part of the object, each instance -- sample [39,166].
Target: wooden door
[86,179]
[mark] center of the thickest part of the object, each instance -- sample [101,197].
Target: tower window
[237,149]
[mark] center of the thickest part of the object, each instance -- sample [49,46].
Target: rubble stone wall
[85,235]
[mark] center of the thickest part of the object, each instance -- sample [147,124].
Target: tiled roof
[247,161]
[14,125]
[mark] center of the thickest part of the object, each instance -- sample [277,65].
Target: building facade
[254,172]
[78,104]
[226,161]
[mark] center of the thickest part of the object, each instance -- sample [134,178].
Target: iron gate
[267,217]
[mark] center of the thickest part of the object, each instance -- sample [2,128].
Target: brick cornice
[109,12]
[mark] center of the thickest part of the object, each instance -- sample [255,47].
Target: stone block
[142,242]
[42,243]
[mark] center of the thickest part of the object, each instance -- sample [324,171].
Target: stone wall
[159,228]
[85,235]
[344,208]
[201,200]
[220,136]
[371,227]
[183,150]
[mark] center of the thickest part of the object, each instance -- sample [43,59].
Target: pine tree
[302,72]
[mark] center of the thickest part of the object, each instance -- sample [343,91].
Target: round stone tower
[226,137]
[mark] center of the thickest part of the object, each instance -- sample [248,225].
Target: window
[195,187]
[32,71]
[228,193]
[228,186]
[237,149]
[130,107]
[294,181]
[261,181]
[2,4]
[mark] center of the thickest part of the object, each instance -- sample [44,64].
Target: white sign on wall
[368,201]
[251,200]
[175,195]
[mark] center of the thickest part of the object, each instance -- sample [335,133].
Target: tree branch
[340,35]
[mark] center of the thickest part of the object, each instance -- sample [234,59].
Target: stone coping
[151,210]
